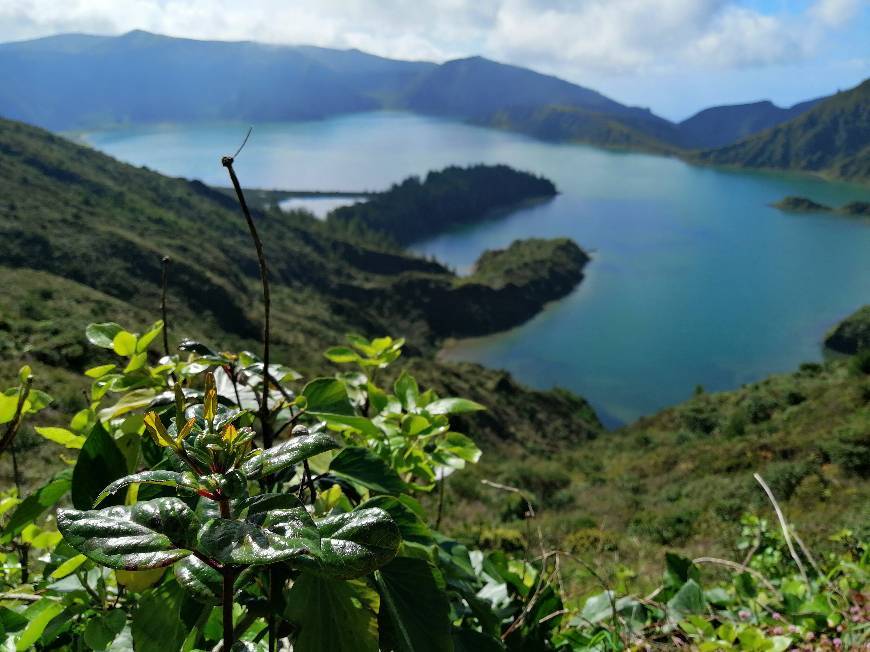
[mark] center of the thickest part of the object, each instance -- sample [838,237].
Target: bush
[860,363]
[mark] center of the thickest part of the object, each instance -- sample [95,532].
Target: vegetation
[852,334]
[321,541]
[415,208]
[722,125]
[794,204]
[831,139]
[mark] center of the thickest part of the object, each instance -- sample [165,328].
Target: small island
[415,209]
[794,204]
[852,334]
[507,287]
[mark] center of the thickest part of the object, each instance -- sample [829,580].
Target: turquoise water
[694,278]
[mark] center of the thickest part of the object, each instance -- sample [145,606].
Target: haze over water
[695,279]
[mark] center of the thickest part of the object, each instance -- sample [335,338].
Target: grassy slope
[681,479]
[832,139]
[81,238]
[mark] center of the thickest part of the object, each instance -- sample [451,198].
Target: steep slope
[488,92]
[572,124]
[75,81]
[681,479]
[831,139]
[722,125]
[82,235]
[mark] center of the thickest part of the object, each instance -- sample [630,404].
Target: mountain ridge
[80,81]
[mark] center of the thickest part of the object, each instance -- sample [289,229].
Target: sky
[674,56]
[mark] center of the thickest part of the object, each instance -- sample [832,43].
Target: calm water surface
[694,278]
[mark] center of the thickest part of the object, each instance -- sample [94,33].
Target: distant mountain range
[832,139]
[75,81]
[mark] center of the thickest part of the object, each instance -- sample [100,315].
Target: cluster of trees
[417,208]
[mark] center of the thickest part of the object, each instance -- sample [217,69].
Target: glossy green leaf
[134,400]
[100,371]
[688,600]
[287,454]
[8,406]
[149,534]
[411,526]
[415,610]
[102,629]
[344,422]
[280,535]
[124,343]
[453,406]
[407,391]
[362,466]
[201,580]
[148,336]
[100,462]
[158,625]
[354,544]
[36,504]
[61,436]
[102,335]
[341,355]
[67,567]
[327,395]
[334,615]
[137,361]
[160,478]
[39,615]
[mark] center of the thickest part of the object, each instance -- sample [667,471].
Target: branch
[12,428]
[227,162]
[784,525]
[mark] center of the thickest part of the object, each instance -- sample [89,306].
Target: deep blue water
[695,279]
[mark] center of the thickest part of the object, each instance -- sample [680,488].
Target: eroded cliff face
[852,334]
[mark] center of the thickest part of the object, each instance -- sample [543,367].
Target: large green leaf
[453,406]
[61,436]
[362,466]
[344,422]
[415,611]
[36,504]
[149,534]
[411,527]
[327,395]
[40,614]
[160,478]
[102,335]
[100,462]
[354,544]
[158,625]
[688,600]
[407,391]
[287,454]
[265,538]
[334,615]
[201,580]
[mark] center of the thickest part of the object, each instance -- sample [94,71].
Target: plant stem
[227,162]
[22,548]
[12,428]
[228,607]
[164,278]
[229,579]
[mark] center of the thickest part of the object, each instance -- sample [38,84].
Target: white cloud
[575,38]
[835,13]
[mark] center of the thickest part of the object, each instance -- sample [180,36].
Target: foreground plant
[217,530]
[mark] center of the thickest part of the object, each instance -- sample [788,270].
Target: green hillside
[681,479]
[832,139]
[82,237]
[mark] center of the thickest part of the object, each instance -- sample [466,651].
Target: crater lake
[695,279]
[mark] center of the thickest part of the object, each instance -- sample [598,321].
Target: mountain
[831,139]
[77,81]
[74,81]
[81,240]
[722,125]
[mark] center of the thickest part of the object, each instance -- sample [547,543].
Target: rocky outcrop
[852,334]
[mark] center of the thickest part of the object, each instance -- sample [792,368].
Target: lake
[695,279]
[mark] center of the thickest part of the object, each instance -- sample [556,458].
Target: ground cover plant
[218,499]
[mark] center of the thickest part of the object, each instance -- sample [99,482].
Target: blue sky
[675,56]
